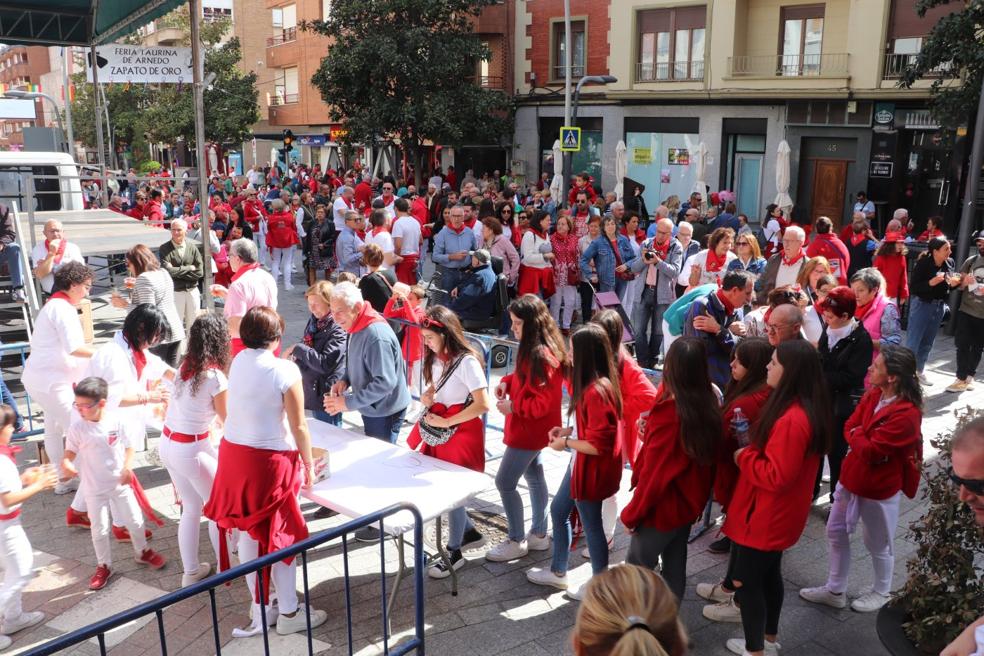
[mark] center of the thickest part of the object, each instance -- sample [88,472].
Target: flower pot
[889,626]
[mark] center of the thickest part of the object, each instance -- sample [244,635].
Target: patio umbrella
[699,162]
[557,184]
[782,177]
[621,167]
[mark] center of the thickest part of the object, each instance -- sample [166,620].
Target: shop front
[660,153]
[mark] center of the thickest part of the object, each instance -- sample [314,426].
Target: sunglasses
[89,406]
[973,486]
[743,243]
[431,324]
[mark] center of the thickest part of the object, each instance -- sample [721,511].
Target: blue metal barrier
[157,606]
[22,348]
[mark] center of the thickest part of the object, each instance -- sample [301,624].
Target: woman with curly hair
[186,451]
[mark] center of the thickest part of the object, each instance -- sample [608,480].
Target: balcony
[286,36]
[670,72]
[895,65]
[494,82]
[560,72]
[281,99]
[767,66]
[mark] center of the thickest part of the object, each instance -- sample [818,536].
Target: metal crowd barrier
[21,348]
[208,586]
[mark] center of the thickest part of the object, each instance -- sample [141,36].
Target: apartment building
[21,67]
[739,77]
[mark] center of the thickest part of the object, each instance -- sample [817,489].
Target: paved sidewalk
[497,610]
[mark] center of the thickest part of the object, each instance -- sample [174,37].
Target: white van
[51,194]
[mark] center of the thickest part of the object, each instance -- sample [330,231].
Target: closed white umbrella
[782,177]
[621,167]
[213,161]
[274,156]
[557,184]
[699,162]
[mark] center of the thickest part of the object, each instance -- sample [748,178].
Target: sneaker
[5,642]
[151,559]
[473,539]
[922,379]
[298,623]
[714,592]
[254,627]
[970,382]
[587,554]
[204,569]
[720,546]
[546,577]
[288,287]
[367,534]
[21,622]
[441,570]
[122,533]
[64,487]
[321,470]
[869,602]
[506,551]
[958,386]
[576,594]
[725,611]
[99,579]
[536,542]
[737,646]
[824,596]
[75,518]
[19,295]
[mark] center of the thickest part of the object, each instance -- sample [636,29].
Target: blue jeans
[11,254]
[924,323]
[384,428]
[334,420]
[8,398]
[458,523]
[529,465]
[647,324]
[594,531]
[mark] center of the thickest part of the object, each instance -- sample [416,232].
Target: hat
[980,236]
[481,255]
[893,236]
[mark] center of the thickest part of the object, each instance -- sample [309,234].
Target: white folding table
[368,474]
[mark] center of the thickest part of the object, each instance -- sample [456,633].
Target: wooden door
[829,189]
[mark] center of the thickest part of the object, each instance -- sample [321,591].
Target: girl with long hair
[530,398]
[596,466]
[186,451]
[774,493]
[536,275]
[456,398]
[674,471]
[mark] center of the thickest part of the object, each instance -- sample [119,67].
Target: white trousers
[188,303]
[259,238]
[283,261]
[284,577]
[125,510]
[567,297]
[18,561]
[56,401]
[880,519]
[192,470]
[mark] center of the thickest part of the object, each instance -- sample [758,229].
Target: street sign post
[570,139]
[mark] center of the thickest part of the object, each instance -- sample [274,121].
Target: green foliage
[150,166]
[945,588]
[406,69]
[954,42]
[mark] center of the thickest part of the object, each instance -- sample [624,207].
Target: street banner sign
[15,109]
[124,64]
[570,139]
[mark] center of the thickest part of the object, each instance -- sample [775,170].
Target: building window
[325,9]
[278,17]
[285,88]
[671,44]
[802,40]
[579,42]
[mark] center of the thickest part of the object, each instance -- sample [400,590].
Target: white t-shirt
[699,260]
[468,377]
[40,253]
[193,414]
[384,240]
[389,208]
[57,334]
[255,414]
[100,447]
[338,210]
[407,228]
[772,231]
[10,481]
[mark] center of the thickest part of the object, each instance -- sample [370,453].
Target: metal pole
[109,132]
[103,191]
[567,98]
[70,135]
[198,66]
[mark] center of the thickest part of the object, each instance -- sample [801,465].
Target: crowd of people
[742,321]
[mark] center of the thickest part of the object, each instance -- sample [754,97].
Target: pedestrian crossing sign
[570,139]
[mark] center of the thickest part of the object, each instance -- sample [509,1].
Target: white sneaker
[546,577]
[298,623]
[288,286]
[21,622]
[725,611]
[536,542]
[869,602]
[922,379]
[576,594]
[204,569]
[64,487]
[737,646]
[586,554]
[19,295]
[506,551]
[822,595]
[970,382]
[714,592]
[254,627]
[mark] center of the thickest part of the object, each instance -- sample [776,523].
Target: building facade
[22,68]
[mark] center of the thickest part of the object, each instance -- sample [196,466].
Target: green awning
[77,22]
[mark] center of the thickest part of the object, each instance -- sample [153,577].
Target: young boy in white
[101,444]
[15,550]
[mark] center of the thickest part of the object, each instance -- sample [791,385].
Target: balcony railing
[491,82]
[895,65]
[284,99]
[670,72]
[560,72]
[286,36]
[835,64]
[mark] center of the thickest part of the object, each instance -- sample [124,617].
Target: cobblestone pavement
[496,612]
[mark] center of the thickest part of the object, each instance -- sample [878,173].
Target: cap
[980,236]
[893,236]
[481,255]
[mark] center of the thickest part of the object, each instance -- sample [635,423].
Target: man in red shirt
[155,211]
[830,246]
[363,196]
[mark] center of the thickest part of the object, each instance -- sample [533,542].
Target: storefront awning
[77,22]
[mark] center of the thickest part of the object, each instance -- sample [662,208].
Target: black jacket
[923,271]
[844,368]
[322,364]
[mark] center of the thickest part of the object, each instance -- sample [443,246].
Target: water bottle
[739,427]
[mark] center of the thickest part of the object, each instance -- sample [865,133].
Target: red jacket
[575,190]
[418,208]
[363,196]
[726,475]
[831,247]
[154,214]
[638,396]
[595,478]
[535,406]
[881,445]
[671,489]
[253,211]
[893,268]
[281,230]
[412,348]
[775,487]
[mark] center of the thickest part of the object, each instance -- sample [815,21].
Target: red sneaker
[122,533]
[75,518]
[151,559]
[99,579]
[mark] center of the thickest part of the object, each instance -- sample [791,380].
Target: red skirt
[465,448]
[536,281]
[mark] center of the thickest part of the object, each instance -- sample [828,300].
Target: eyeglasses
[974,486]
[84,406]
[773,328]
[743,243]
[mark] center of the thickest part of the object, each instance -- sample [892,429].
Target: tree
[954,44]
[405,69]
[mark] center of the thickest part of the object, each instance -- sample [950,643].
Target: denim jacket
[601,252]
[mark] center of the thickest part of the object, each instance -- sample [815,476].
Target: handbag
[621,275]
[434,435]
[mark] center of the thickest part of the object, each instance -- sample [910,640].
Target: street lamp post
[571,120]
[34,95]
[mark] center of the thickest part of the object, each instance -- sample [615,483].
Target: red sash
[143,501]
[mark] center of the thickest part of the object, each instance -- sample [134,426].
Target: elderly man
[783,268]
[617,210]
[659,265]
[344,202]
[349,245]
[53,253]
[451,247]
[251,287]
[785,323]
[474,297]
[184,261]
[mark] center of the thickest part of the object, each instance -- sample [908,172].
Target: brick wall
[540,54]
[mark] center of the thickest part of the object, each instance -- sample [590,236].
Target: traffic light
[288,141]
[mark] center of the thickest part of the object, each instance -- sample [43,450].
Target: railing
[21,348]
[286,35]
[789,65]
[560,72]
[669,72]
[491,82]
[895,65]
[285,99]
[157,606]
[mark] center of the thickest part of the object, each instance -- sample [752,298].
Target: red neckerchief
[636,236]
[367,316]
[456,231]
[857,238]
[63,296]
[470,223]
[376,231]
[790,262]
[243,269]
[362,234]
[661,250]
[862,310]
[10,451]
[728,307]
[714,262]
[61,249]
[187,372]
[139,360]
[538,233]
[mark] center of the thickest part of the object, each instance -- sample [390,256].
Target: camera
[650,254]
